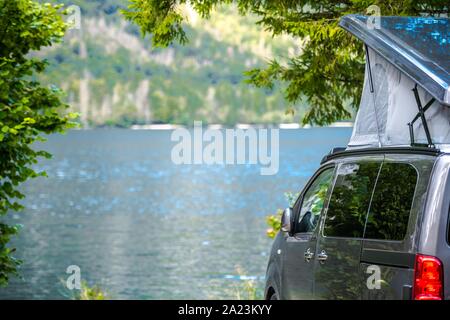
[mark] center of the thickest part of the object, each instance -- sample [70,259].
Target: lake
[142,227]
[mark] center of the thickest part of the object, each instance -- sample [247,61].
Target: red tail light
[428,278]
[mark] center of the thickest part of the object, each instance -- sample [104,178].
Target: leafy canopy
[328,72]
[26,108]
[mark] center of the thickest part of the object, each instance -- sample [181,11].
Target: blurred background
[114,77]
[138,226]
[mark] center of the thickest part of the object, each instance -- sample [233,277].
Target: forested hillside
[113,76]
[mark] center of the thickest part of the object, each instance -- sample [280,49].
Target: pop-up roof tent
[406,95]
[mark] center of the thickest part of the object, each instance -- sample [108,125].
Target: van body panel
[297,274]
[392,285]
[337,277]
[396,271]
[273,273]
[434,227]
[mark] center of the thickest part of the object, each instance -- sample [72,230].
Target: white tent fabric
[384,114]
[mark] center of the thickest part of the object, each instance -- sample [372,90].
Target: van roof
[342,152]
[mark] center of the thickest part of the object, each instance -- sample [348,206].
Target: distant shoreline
[281,126]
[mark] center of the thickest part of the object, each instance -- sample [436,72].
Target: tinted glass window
[350,199]
[392,201]
[313,201]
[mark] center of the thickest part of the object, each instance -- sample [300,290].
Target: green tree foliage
[26,108]
[329,71]
[274,220]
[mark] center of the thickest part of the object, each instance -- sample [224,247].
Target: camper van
[373,221]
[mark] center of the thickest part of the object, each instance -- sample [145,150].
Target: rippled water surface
[143,228]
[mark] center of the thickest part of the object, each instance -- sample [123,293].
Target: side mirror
[286,220]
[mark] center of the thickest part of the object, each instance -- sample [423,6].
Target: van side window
[313,201]
[392,201]
[350,199]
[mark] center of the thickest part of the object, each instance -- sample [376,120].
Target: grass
[247,289]
[91,293]
[85,293]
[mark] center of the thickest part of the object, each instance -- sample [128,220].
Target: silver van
[370,224]
[373,221]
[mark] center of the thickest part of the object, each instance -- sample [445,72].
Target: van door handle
[322,256]
[308,255]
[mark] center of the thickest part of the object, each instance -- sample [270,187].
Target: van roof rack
[341,152]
